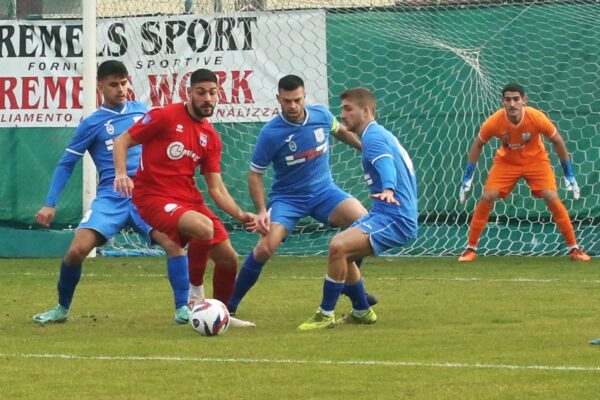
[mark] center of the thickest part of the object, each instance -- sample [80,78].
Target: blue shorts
[288,209]
[385,231]
[110,212]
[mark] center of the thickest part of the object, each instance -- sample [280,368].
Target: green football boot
[182,315]
[367,318]
[56,314]
[318,321]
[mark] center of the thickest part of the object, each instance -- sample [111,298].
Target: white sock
[196,293]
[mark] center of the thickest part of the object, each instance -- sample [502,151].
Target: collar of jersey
[368,126]
[115,110]
[295,123]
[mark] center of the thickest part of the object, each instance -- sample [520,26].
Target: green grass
[499,328]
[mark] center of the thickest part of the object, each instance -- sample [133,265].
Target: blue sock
[357,295]
[177,270]
[247,277]
[67,281]
[331,294]
[358,264]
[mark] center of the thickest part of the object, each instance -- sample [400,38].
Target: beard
[203,110]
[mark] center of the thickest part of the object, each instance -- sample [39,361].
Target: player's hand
[467,181]
[264,222]
[45,216]
[250,221]
[570,181]
[387,195]
[123,184]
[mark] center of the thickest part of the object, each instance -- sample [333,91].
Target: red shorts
[504,176]
[163,214]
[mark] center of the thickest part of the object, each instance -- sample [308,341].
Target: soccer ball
[209,317]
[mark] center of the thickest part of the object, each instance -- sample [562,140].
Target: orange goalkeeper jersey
[522,143]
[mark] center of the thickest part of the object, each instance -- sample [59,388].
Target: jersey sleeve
[81,141]
[152,124]
[378,152]
[487,130]
[544,124]
[263,154]
[212,162]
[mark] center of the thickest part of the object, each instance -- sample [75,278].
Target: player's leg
[198,251]
[339,209]
[70,272]
[501,181]
[345,246]
[254,263]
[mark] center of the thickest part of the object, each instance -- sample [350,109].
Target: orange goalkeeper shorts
[504,176]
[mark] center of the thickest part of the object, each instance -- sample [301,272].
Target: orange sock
[561,218]
[480,219]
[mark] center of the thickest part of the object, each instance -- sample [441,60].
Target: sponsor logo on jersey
[171,207]
[203,140]
[109,128]
[319,135]
[179,128]
[177,150]
[307,155]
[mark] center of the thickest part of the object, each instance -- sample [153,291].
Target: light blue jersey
[96,134]
[109,212]
[299,152]
[387,166]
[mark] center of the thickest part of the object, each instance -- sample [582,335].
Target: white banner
[41,83]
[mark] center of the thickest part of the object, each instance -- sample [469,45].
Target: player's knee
[490,197]
[549,195]
[263,251]
[76,254]
[337,248]
[204,230]
[229,260]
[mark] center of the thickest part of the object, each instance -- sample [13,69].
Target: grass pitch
[499,328]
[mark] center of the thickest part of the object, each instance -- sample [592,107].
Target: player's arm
[474,154]
[64,169]
[563,154]
[123,183]
[220,195]
[379,154]
[256,188]
[343,134]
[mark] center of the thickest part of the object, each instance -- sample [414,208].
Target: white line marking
[308,362]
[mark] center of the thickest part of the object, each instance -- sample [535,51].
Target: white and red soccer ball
[209,317]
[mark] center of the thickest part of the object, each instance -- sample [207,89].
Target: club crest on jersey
[505,137]
[292,145]
[179,128]
[319,134]
[203,140]
[109,128]
[526,136]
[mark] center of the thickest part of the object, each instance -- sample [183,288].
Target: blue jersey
[299,152]
[96,134]
[388,166]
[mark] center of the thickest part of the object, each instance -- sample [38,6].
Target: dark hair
[361,96]
[290,82]
[203,75]
[112,68]
[513,87]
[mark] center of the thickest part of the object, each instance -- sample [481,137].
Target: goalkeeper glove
[466,182]
[570,181]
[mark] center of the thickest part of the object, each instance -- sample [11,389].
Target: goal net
[436,68]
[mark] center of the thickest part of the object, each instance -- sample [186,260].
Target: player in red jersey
[175,140]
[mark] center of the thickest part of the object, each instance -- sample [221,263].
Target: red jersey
[521,143]
[173,145]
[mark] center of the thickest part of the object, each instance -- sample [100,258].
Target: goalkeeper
[521,155]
